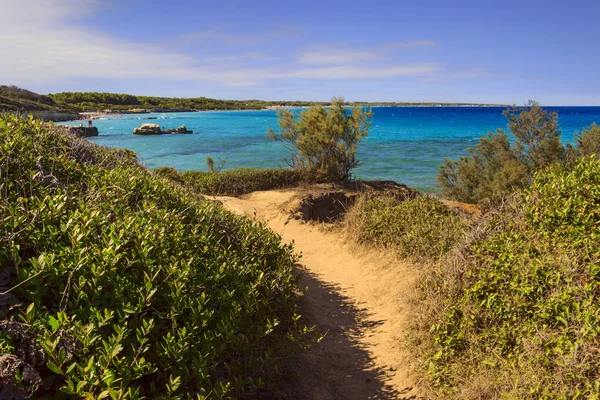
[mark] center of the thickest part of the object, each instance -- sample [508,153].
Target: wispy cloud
[347,72]
[411,43]
[242,57]
[227,37]
[473,73]
[336,55]
[38,47]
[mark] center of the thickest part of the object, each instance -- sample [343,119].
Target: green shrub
[420,228]
[324,140]
[127,286]
[235,182]
[495,169]
[516,313]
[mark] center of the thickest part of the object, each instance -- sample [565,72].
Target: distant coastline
[92,105]
[108,112]
[116,103]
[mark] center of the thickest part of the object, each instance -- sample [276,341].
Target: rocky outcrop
[148,129]
[83,131]
[154,129]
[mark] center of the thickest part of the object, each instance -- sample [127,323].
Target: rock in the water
[154,129]
[181,129]
[83,131]
[148,129]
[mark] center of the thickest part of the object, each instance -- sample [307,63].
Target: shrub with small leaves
[516,313]
[124,285]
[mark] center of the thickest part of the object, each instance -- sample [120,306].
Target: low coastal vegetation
[515,313]
[420,228]
[118,284]
[235,182]
[13,98]
[17,100]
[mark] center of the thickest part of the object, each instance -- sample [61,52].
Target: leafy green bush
[494,168]
[421,228]
[124,285]
[516,313]
[324,140]
[235,182]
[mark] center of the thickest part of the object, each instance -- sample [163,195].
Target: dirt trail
[359,297]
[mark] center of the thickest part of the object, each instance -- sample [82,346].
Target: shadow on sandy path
[339,367]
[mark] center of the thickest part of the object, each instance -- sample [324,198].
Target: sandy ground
[359,298]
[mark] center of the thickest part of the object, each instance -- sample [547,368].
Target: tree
[588,142]
[324,140]
[496,168]
[537,136]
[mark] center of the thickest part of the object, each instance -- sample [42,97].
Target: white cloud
[43,43]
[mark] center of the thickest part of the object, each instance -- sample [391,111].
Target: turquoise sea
[405,144]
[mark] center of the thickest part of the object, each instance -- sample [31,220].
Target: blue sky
[446,51]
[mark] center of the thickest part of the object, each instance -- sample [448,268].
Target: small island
[155,129]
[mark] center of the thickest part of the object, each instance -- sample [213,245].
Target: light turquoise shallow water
[405,144]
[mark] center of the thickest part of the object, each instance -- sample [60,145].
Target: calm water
[405,144]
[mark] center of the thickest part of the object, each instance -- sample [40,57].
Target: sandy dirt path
[358,297]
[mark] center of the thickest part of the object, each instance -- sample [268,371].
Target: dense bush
[124,285]
[495,168]
[420,228]
[324,140]
[516,313]
[235,182]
